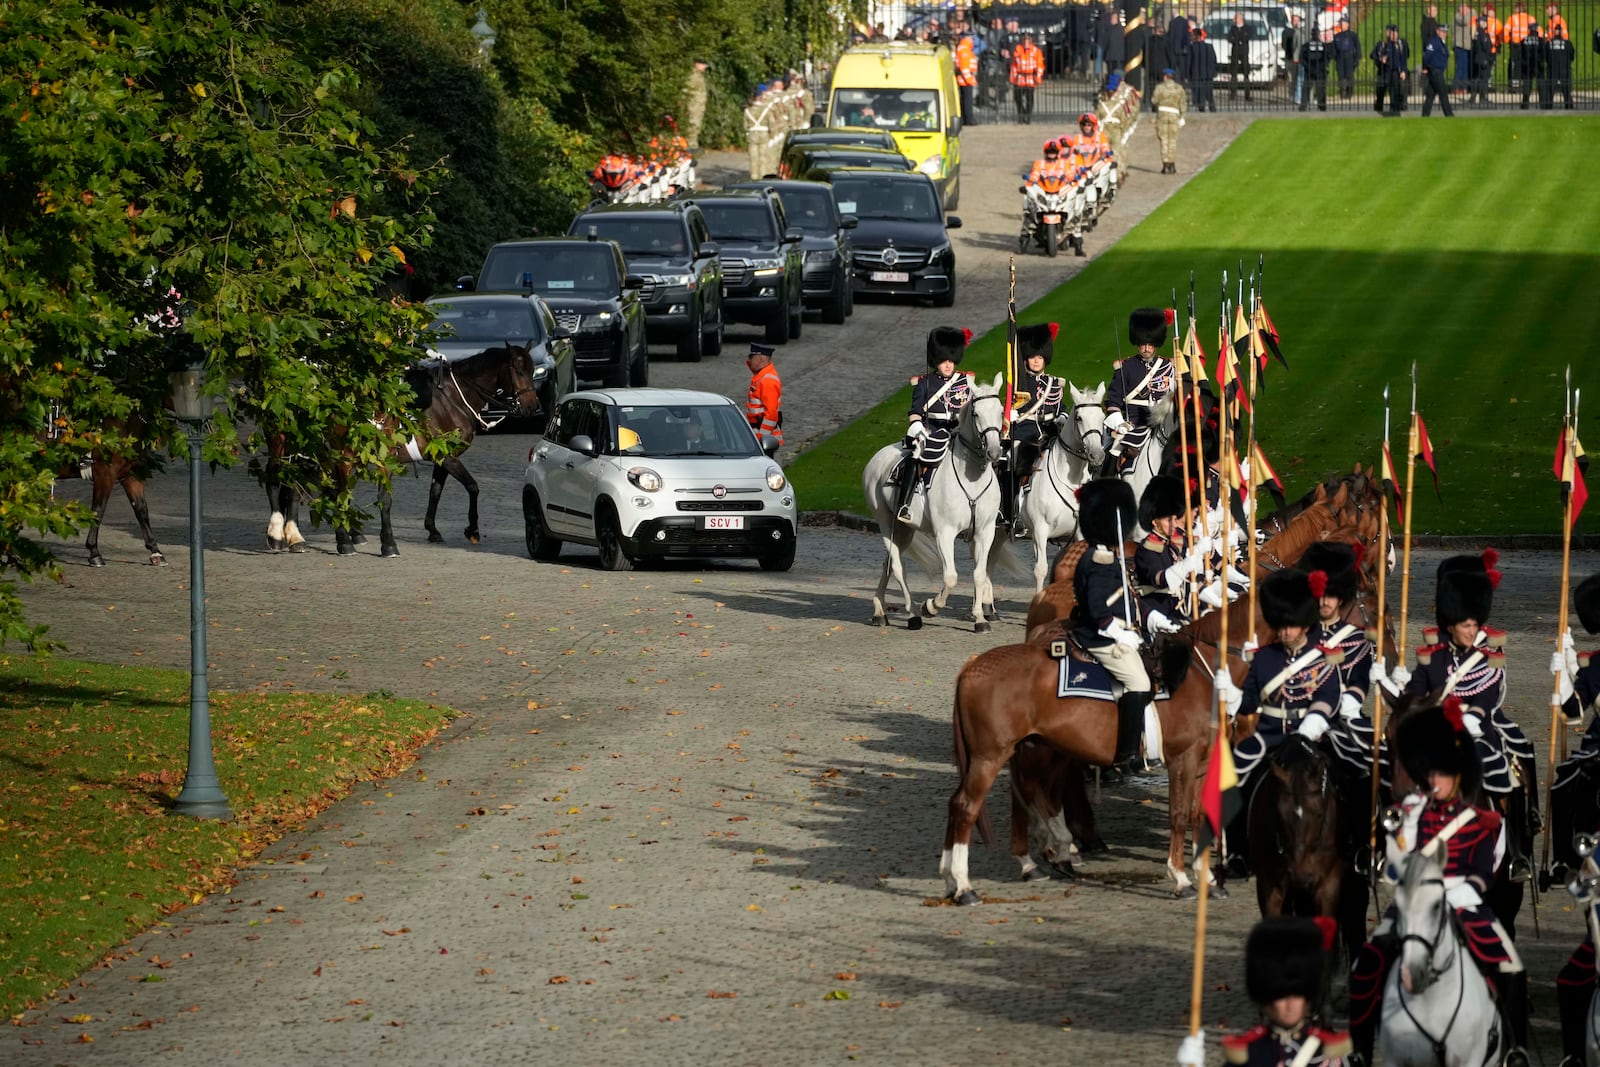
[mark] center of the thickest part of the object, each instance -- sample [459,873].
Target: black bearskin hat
[947,342]
[1100,505]
[1286,599]
[1465,589]
[1162,499]
[1338,561]
[1037,341]
[1283,958]
[1147,326]
[1586,602]
[1436,739]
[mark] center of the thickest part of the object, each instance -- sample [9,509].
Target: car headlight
[601,321]
[541,372]
[820,255]
[933,166]
[766,268]
[775,479]
[678,280]
[644,478]
[939,252]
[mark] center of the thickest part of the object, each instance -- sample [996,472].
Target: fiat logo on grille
[719,491]
[890,257]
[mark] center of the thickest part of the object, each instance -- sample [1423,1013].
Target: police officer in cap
[1137,385]
[1034,419]
[936,401]
[1283,960]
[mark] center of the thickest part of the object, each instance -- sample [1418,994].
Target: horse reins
[1431,946]
[1069,499]
[484,424]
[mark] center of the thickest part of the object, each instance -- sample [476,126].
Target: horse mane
[1176,656]
[1298,753]
[421,378]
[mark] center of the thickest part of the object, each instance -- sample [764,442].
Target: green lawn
[1466,246]
[92,756]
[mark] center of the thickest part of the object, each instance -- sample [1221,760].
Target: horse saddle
[1082,676]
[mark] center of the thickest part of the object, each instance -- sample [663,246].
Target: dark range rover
[668,247]
[586,286]
[761,264]
[824,243]
[901,244]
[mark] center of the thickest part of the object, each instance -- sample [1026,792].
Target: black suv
[587,287]
[761,262]
[668,248]
[824,243]
[901,244]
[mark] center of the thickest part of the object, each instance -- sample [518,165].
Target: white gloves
[1558,667]
[1230,695]
[916,429]
[1349,706]
[1237,533]
[1182,122]
[1474,724]
[1400,677]
[1250,646]
[1205,545]
[1569,652]
[1174,576]
[1211,595]
[1313,727]
[1116,423]
[1160,624]
[1463,895]
[1119,632]
[1192,1050]
[1213,522]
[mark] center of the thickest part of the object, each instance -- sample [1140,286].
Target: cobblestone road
[714,838]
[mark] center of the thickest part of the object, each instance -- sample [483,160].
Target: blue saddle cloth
[1087,679]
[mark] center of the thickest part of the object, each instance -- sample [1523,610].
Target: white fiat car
[656,473]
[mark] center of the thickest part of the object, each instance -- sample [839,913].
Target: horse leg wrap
[1152,735]
[1130,720]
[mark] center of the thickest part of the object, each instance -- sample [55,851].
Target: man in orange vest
[1553,20]
[1027,70]
[1517,27]
[966,57]
[764,406]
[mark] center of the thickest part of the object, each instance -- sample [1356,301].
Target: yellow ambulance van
[909,89]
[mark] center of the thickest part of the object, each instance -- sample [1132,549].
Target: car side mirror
[467,282]
[953,222]
[848,222]
[560,333]
[710,248]
[633,281]
[770,446]
[818,120]
[792,236]
[955,127]
[583,443]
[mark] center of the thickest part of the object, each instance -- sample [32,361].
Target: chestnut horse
[105,471]
[450,399]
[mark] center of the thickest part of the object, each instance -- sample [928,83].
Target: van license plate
[724,522]
[1052,220]
[890,276]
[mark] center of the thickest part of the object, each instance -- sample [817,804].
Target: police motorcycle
[1051,208]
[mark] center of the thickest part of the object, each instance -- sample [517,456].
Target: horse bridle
[1431,946]
[961,429]
[1069,499]
[471,409]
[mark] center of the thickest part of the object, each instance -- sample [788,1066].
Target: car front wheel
[608,533]
[692,345]
[541,545]
[781,560]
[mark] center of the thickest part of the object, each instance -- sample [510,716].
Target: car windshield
[683,430]
[482,321]
[887,109]
[867,197]
[810,210]
[551,271]
[729,221]
[640,237]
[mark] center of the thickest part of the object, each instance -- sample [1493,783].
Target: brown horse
[450,398]
[105,471]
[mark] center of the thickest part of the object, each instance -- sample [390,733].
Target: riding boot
[1513,997]
[1130,724]
[1573,1001]
[1367,976]
[906,486]
[1008,495]
[1517,840]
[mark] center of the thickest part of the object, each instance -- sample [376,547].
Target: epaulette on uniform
[915,378]
[1333,655]
[968,373]
[1425,654]
[1117,363]
[1153,541]
[1335,1043]
[1497,638]
[1496,657]
[1371,634]
[1585,657]
[1430,634]
[1236,1047]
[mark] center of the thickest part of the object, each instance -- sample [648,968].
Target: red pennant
[1425,450]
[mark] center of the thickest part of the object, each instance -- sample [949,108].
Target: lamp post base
[203,807]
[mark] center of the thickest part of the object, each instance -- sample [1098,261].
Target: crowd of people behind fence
[1521,53]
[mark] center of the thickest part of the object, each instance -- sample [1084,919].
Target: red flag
[1425,450]
[1228,377]
[1391,484]
[1269,333]
[1219,794]
[1261,472]
[1196,354]
[1569,469]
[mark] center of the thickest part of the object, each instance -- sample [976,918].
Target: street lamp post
[484,34]
[202,796]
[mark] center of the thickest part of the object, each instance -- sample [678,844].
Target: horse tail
[1175,658]
[1003,559]
[925,554]
[985,834]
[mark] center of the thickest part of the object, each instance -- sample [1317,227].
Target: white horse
[1437,1009]
[1163,430]
[1585,890]
[963,496]
[1050,507]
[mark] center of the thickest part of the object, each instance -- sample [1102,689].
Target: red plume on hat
[1318,581]
[1360,549]
[1452,714]
[1491,557]
[966,335]
[1055,328]
[1330,930]
[1171,315]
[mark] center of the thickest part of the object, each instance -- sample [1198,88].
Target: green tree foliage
[185,148]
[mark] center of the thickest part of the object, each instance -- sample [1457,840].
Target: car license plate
[724,522]
[1052,220]
[890,276]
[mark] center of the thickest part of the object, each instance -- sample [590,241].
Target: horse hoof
[358,539]
[436,538]
[298,547]
[347,549]
[157,560]
[967,898]
[274,545]
[97,561]
[1218,892]
[470,534]
[1036,874]
[1093,844]
[929,609]
[1062,870]
[914,623]
[389,551]
[878,620]
[1188,892]
[982,628]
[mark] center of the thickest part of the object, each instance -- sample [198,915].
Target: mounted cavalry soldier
[1292,686]
[1353,735]
[1438,754]
[936,401]
[1137,385]
[1578,675]
[1469,663]
[1283,974]
[1038,406]
[1163,564]
[1109,619]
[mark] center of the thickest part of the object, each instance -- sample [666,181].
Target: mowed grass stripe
[1462,245]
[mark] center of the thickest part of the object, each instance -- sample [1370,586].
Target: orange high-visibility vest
[1048,168]
[763,406]
[966,63]
[1517,26]
[1027,65]
[1556,21]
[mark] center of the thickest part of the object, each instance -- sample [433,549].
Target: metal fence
[1520,75]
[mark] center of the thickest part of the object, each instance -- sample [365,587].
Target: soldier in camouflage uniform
[1169,101]
[695,99]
